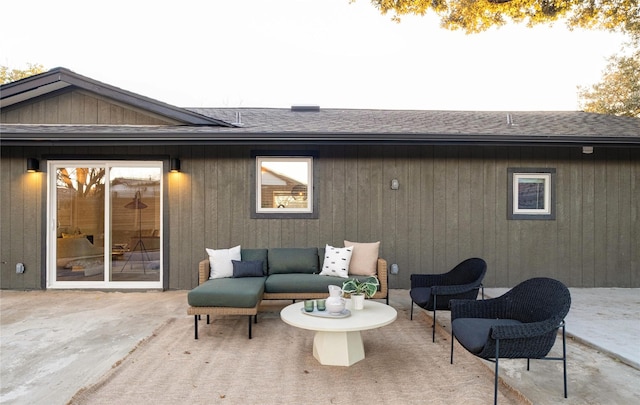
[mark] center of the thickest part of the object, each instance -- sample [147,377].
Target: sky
[279,53]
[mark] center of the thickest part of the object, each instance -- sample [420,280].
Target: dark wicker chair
[521,324]
[434,291]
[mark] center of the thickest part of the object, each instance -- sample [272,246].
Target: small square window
[284,185]
[531,193]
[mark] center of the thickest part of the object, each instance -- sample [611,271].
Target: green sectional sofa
[287,274]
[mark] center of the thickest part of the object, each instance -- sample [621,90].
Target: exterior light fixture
[33,165]
[587,150]
[174,165]
[395,184]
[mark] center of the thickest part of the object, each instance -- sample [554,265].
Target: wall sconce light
[587,150]
[395,184]
[33,165]
[174,165]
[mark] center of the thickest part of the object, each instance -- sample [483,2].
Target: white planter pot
[358,301]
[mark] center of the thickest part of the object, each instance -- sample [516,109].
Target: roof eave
[58,78]
[25,138]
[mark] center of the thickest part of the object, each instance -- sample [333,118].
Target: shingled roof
[267,125]
[314,125]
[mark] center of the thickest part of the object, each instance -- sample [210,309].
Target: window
[284,185]
[531,193]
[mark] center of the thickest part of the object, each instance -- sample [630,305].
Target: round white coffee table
[337,341]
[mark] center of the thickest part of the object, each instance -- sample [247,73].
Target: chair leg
[564,358]
[495,381]
[250,321]
[411,310]
[453,337]
[433,331]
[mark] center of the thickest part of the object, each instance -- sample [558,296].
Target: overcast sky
[258,53]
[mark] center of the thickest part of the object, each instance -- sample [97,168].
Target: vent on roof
[305,108]
[238,121]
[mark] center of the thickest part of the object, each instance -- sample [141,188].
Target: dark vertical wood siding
[78,107]
[451,205]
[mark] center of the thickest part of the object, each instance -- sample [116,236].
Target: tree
[475,16]
[619,91]
[7,75]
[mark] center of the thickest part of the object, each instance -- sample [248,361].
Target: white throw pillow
[336,261]
[220,261]
[364,261]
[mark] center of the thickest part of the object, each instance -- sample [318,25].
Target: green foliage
[473,16]
[618,92]
[368,286]
[11,75]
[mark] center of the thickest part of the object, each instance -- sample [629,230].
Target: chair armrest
[454,289]
[524,330]
[203,271]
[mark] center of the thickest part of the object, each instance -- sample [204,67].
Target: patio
[56,342]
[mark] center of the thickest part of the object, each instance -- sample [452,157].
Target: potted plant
[359,289]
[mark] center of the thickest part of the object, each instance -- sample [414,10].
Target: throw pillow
[220,261]
[364,260]
[248,268]
[336,261]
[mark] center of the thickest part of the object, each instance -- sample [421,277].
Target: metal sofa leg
[250,326]
[196,325]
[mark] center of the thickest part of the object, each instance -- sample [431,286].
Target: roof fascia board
[90,138]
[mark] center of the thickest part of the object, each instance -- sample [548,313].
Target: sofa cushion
[256,254]
[247,268]
[300,283]
[228,292]
[336,261]
[293,260]
[220,261]
[364,259]
[473,333]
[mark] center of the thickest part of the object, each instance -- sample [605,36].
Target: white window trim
[51,271]
[548,175]
[546,178]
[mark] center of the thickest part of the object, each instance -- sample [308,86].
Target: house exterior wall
[451,205]
[78,107]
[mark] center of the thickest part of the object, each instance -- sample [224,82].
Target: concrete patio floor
[53,343]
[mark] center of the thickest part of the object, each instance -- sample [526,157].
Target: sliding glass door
[105,224]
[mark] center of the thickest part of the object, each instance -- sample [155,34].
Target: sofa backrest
[293,260]
[256,254]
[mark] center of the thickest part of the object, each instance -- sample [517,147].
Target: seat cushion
[421,296]
[243,292]
[473,333]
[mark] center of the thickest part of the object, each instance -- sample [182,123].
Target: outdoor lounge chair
[522,323]
[434,291]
